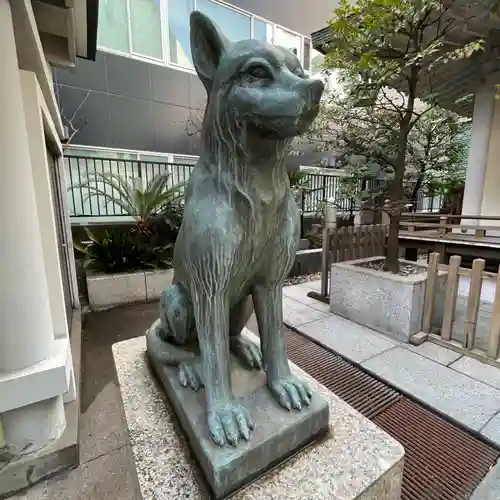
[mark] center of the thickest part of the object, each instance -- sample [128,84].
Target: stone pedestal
[277,435]
[357,460]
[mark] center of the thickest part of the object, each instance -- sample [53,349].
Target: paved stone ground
[107,470]
[459,387]
[466,390]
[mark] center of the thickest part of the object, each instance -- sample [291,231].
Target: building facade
[38,381]
[142,93]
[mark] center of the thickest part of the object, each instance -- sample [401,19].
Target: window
[262,31]
[288,40]
[145,28]
[113,25]
[135,28]
[317,62]
[234,25]
[178,32]
[307,54]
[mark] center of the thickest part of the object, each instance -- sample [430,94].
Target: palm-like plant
[140,201]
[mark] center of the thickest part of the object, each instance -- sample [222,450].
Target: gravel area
[404,269]
[297,280]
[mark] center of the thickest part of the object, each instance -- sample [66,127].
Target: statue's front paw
[229,422]
[290,392]
[247,352]
[190,374]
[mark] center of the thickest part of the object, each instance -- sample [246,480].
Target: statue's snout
[316,91]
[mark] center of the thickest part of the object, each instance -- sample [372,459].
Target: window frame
[164,17]
[136,55]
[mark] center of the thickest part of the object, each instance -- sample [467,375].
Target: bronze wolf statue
[240,230]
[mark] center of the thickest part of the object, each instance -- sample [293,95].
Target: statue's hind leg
[172,338]
[246,351]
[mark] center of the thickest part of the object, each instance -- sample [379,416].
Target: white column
[26,333]
[491,201]
[482,120]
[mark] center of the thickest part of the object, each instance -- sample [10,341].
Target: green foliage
[387,51]
[157,210]
[121,251]
[139,200]
[297,179]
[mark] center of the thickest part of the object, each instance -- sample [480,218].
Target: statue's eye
[260,72]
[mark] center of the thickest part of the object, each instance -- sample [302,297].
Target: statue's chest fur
[236,237]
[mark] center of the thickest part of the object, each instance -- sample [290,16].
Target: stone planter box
[307,262]
[109,290]
[387,303]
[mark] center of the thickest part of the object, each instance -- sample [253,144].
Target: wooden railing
[485,348]
[358,242]
[443,224]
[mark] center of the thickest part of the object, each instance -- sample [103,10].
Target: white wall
[491,194]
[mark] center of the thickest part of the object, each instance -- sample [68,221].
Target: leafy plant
[297,179]
[386,51]
[121,251]
[139,200]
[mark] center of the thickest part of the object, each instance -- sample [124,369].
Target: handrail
[447,216]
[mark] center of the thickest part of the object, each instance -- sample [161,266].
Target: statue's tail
[164,352]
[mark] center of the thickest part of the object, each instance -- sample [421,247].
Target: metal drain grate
[443,462]
[364,393]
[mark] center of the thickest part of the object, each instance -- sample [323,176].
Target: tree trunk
[396,191]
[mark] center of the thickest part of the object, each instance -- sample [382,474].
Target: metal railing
[83,201]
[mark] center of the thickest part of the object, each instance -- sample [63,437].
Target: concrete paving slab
[489,488]
[468,401]
[110,477]
[349,339]
[295,313]
[314,285]
[321,306]
[102,426]
[435,352]
[299,293]
[480,371]
[492,430]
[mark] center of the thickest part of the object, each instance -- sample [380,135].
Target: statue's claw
[247,352]
[229,422]
[291,392]
[190,374]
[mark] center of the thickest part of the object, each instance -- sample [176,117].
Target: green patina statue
[240,230]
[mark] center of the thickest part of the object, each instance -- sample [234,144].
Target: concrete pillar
[482,120]
[26,333]
[491,201]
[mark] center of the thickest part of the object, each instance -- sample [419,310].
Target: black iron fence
[89,196]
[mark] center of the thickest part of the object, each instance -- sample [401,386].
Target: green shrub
[121,251]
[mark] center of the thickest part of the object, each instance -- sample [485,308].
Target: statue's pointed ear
[207,46]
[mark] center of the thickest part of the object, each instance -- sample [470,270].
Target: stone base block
[388,303]
[357,460]
[277,435]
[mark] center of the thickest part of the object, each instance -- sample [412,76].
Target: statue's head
[252,85]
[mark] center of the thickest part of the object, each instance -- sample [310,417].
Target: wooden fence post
[494,337]
[430,289]
[473,302]
[451,297]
